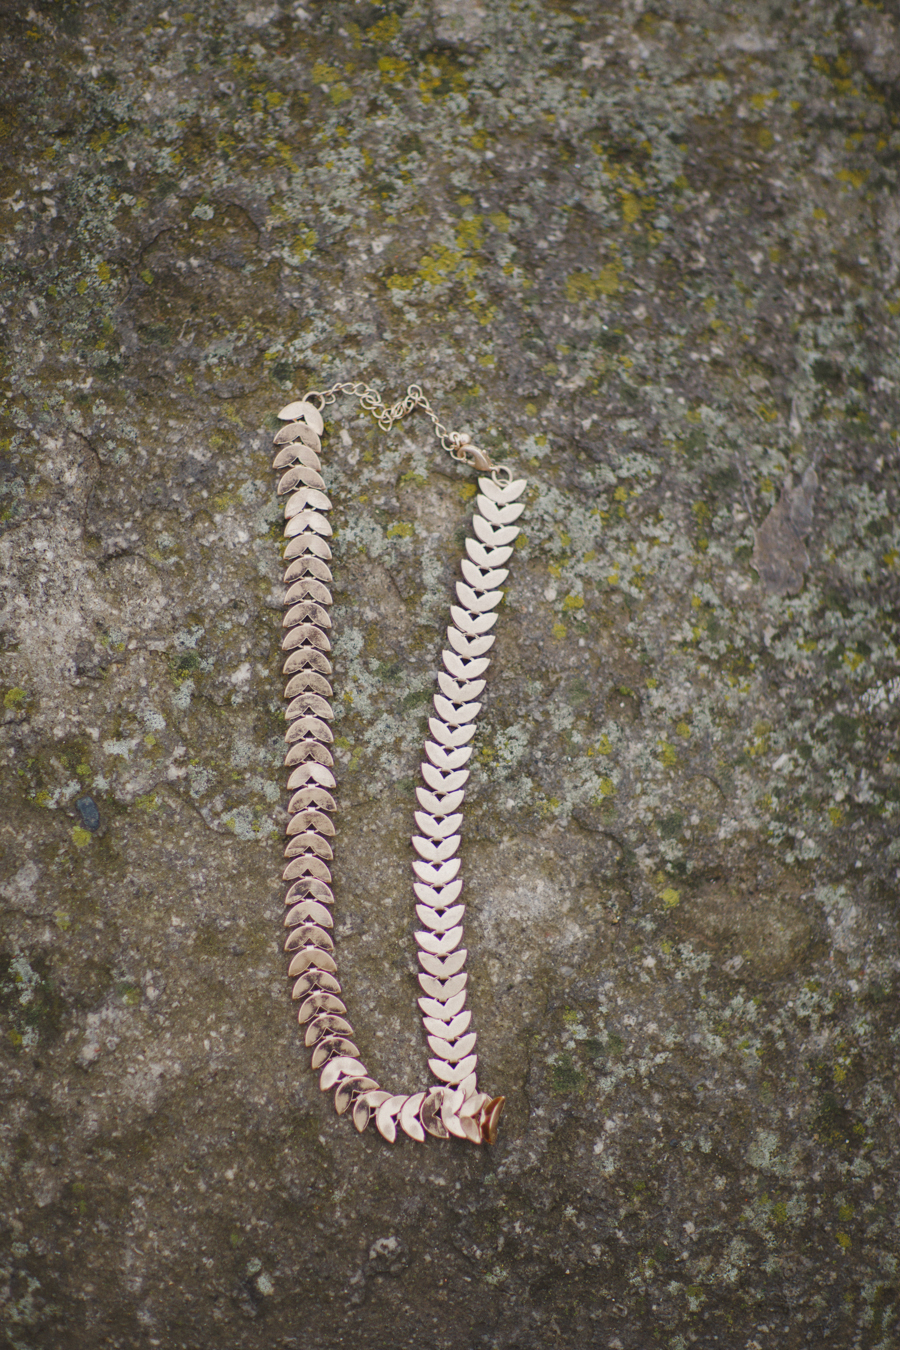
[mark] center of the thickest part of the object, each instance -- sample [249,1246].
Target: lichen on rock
[650,255]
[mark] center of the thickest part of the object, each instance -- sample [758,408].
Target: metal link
[456,443]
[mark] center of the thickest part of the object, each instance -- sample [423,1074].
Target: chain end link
[457,443]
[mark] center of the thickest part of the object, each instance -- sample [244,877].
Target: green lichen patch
[31,1005]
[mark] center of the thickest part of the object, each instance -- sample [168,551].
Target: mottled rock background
[651,252]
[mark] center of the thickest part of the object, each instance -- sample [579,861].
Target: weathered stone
[649,255]
[779,554]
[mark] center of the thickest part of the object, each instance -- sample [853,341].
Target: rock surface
[651,254]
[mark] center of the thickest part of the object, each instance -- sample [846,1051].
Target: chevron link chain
[453,1105]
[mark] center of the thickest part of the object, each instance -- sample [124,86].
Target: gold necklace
[453,1106]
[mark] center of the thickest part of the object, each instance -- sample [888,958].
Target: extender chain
[453,1105]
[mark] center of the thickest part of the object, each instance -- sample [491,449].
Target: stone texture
[779,554]
[650,253]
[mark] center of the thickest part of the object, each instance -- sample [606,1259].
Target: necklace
[453,1106]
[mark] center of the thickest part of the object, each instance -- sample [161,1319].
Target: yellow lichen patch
[80,837]
[631,208]
[670,897]
[392,68]
[397,282]
[469,233]
[400,529]
[855,177]
[442,265]
[485,314]
[304,244]
[584,286]
[385,30]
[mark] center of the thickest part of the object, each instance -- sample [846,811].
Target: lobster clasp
[467,453]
